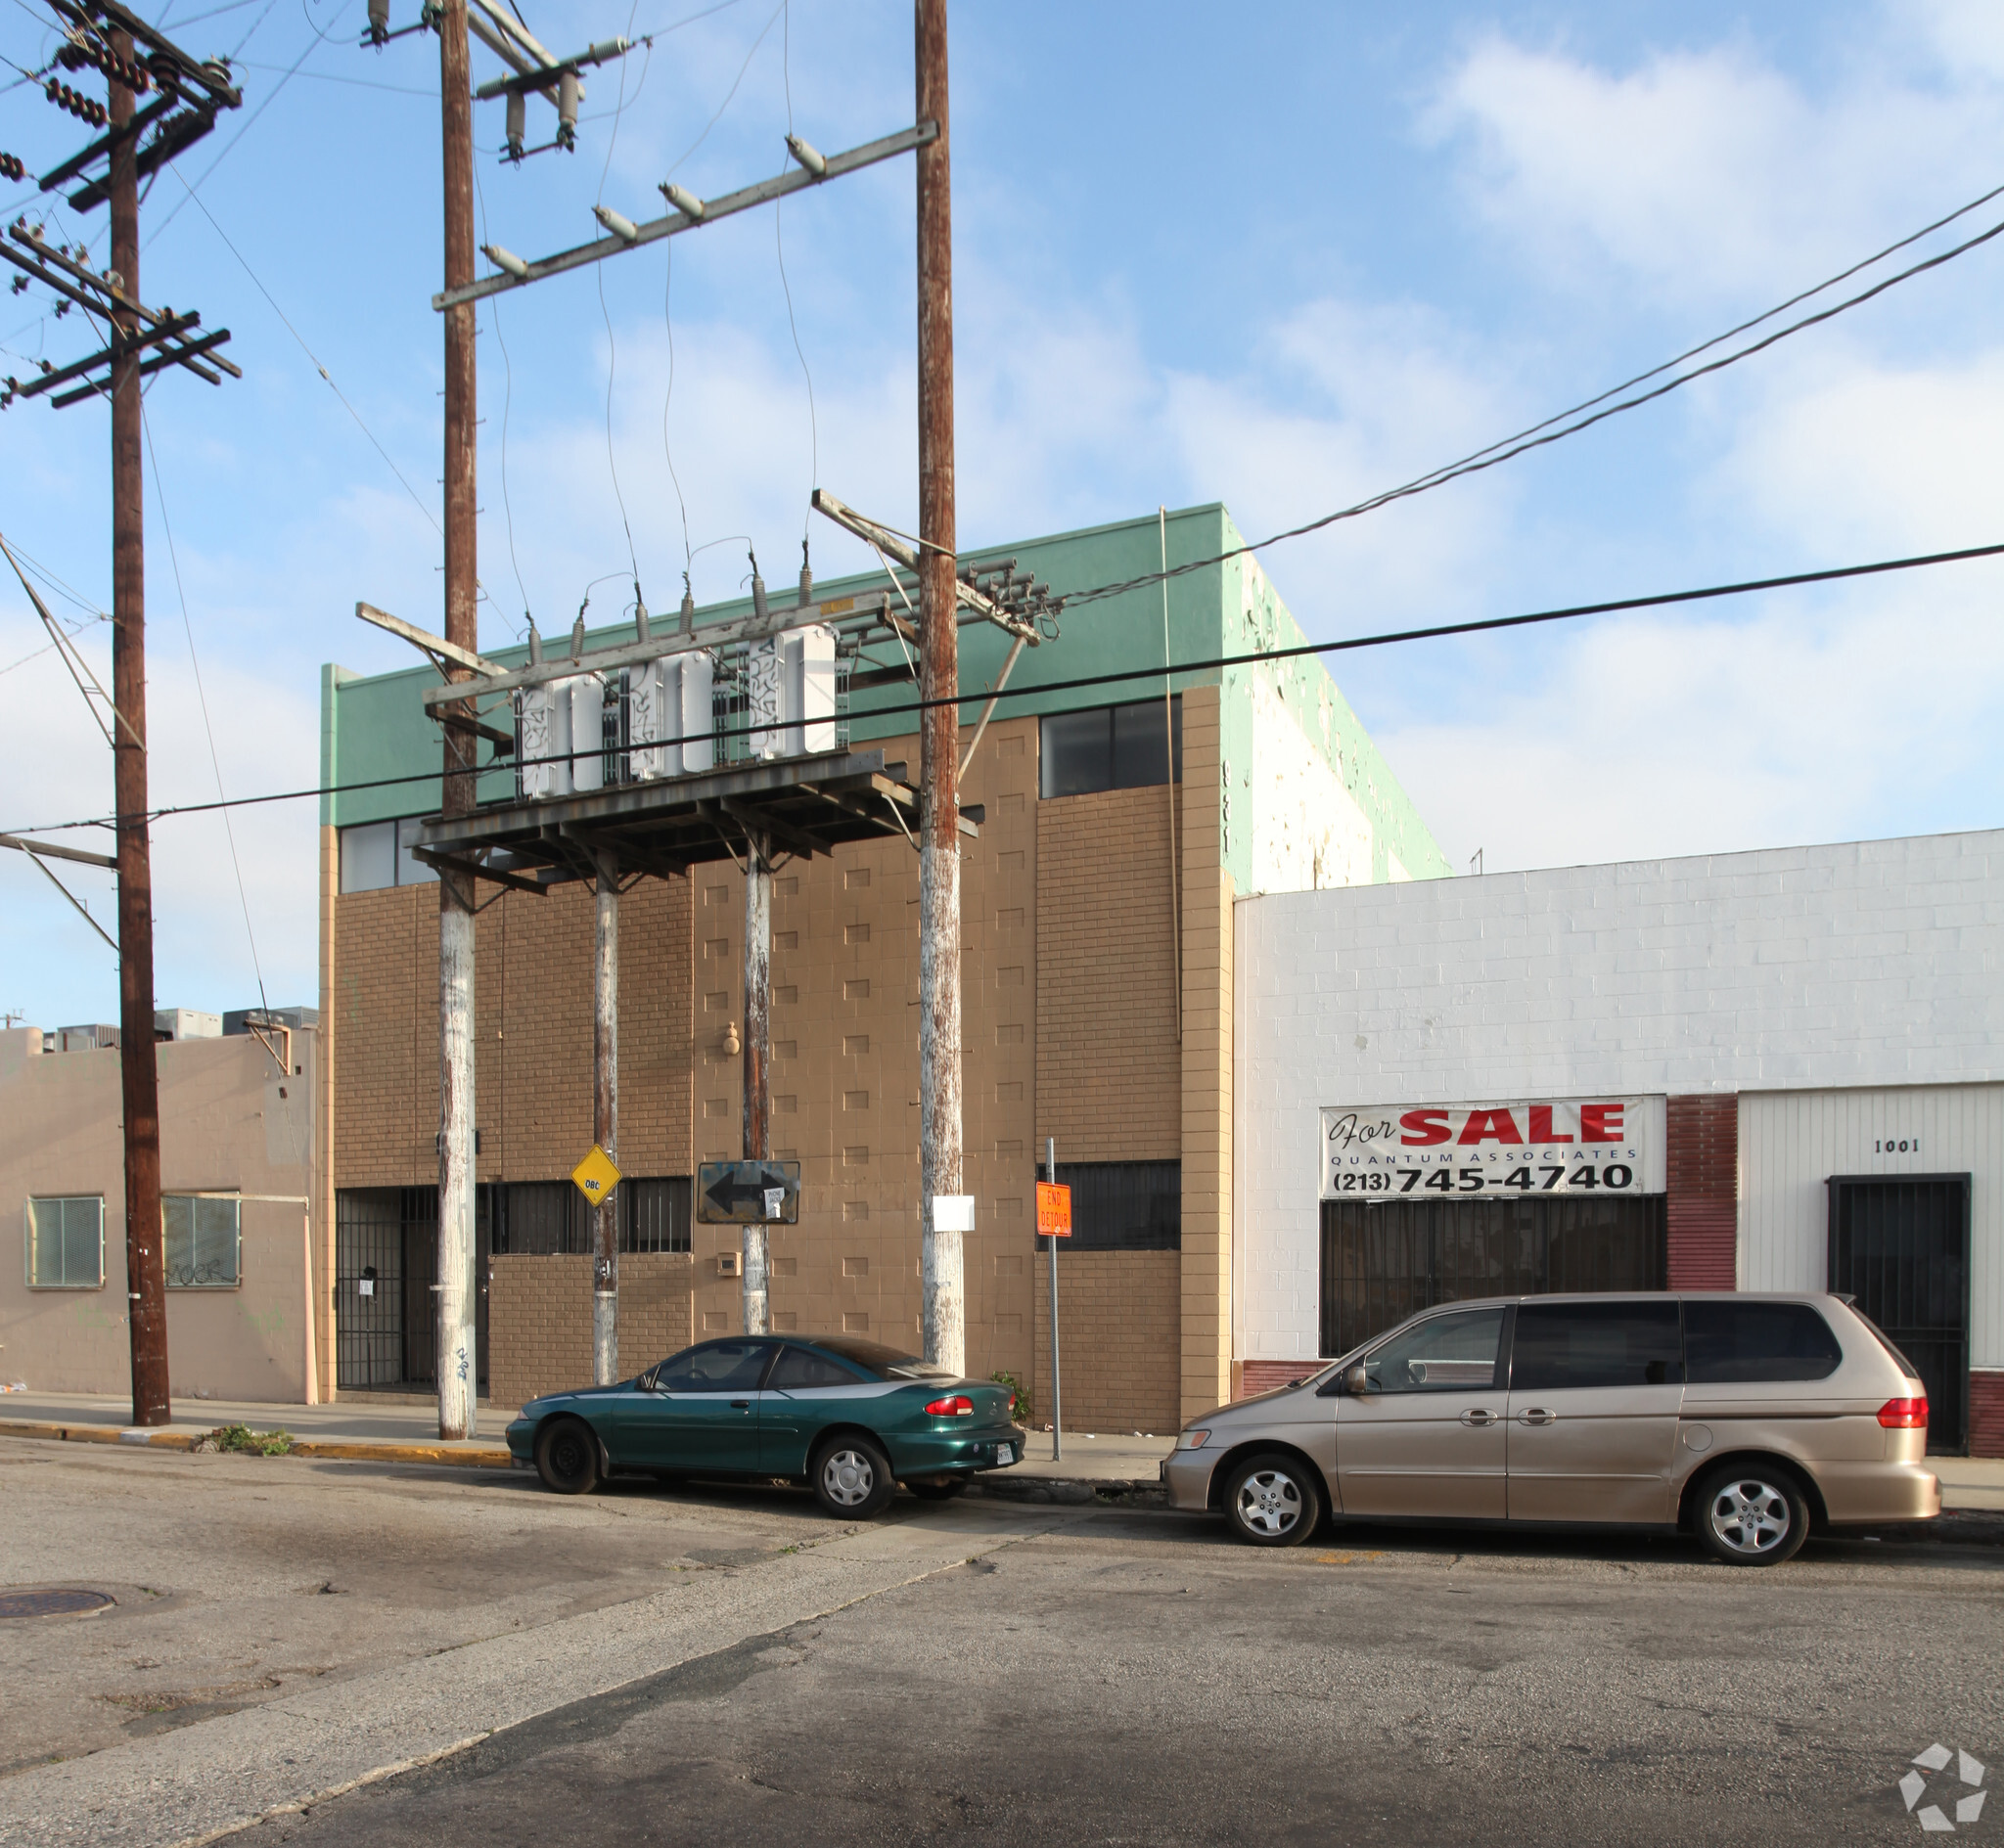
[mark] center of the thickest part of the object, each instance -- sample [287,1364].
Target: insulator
[518,123]
[567,110]
[10,166]
[72,58]
[379,20]
[19,281]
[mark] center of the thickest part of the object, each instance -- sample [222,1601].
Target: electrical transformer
[670,729]
[790,684]
[560,737]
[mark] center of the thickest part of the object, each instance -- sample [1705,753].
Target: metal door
[1899,1245]
[368,1289]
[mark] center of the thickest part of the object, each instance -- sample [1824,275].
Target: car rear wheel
[943,1491]
[1751,1514]
[1272,1501]
[851,1478]
[568,1457]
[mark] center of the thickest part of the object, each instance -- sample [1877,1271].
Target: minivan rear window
[1885,1340]
[1745,1343]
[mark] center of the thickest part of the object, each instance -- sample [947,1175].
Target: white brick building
[1789,1059]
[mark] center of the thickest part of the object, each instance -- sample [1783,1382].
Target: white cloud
[1706,175]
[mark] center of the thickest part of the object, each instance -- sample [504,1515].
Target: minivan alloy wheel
[1271,1503]
[1752,1517]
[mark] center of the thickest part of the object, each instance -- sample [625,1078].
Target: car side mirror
[1356,1382]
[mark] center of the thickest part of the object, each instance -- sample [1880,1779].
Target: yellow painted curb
[488,1457]
[494,1458]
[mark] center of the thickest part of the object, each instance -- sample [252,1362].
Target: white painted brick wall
[1870,963]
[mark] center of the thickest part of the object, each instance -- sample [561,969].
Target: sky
[1281,257]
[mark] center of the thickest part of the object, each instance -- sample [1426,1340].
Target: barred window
[66,1243]
[541,1218]
[1123,1206]
[204,1241]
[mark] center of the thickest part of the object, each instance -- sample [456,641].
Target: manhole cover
[55,1603]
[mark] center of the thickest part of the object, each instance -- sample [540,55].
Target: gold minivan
[1748,1419]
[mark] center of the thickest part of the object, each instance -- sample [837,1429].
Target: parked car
[851,1418]
[1747,1419]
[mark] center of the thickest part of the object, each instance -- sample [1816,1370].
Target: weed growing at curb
[240,1437]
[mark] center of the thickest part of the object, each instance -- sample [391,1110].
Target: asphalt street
[717,1664]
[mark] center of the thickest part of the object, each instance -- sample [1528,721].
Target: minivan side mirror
[1356,1382]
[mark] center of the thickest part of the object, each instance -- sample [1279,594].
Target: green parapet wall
[1285,782]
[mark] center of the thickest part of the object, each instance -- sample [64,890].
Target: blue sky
[1280,257]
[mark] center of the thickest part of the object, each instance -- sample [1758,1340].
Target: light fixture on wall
[733,1045]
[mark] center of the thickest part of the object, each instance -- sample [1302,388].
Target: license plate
[1005,1452]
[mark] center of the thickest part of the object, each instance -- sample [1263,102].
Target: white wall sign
[953,1212]
[1445,1151]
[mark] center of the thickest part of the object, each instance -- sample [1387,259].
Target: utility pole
[605,1120]
[458,1284]
[940,1147]
[136,60]
[146,1279]
[757,1048]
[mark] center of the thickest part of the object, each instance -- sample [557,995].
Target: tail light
[1905,1414]
[960,1406]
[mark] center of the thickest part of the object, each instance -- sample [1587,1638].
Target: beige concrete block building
[1118,824]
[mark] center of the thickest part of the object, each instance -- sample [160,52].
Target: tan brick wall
[539,1319]
[1207,1102]
[1117,1315]
[845,1074]
[532,1015]
[1109,1080]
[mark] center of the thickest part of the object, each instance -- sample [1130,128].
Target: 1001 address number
[1545,1179]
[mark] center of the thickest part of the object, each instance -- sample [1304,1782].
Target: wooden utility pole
[458,1285]
[758,1060]
[145,1280]
[605,1120]
[939,1093]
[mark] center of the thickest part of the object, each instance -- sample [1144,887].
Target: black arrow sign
[733,1193]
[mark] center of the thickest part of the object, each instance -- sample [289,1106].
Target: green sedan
[851,1418]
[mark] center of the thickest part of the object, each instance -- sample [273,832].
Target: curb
[491,1457]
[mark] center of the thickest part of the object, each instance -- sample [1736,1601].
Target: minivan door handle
[741,1405]
[1480,1415]
[1538,1415]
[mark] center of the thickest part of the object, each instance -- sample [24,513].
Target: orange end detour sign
[1054,1210]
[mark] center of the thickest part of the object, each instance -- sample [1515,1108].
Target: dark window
[1735,1343]
[1451,1353]
[541,1218]
[1561,1345]
[653,1215]
[801,1368]
[1123,1206]
[1132,746]
[881,1362]
[715,1367]
[1380,1264]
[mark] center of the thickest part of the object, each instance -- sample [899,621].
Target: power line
[202,208]
[1573,422]
[1260,658]
[201,700]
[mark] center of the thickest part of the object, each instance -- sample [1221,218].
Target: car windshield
[884,1363]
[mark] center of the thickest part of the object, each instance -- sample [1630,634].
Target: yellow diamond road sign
[596,1176]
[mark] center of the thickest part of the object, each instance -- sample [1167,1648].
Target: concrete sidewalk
[407,1430]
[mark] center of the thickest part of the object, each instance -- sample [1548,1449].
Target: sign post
[1054,1221]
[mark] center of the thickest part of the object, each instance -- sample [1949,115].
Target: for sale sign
[1522,1148]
